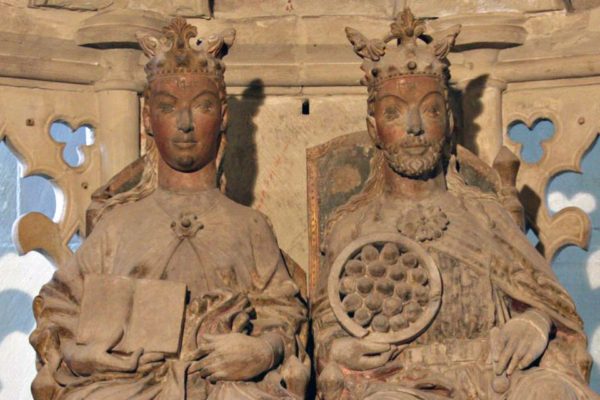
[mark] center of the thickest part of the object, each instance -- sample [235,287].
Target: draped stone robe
[490,273]
[227,256]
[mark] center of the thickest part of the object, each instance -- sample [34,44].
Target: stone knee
[543,387]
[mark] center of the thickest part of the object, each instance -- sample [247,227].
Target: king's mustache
[409,141]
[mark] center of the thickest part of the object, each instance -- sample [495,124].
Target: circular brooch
[385,287]
[423,223]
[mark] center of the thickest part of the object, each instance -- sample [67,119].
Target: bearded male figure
[178,292]
[428,288]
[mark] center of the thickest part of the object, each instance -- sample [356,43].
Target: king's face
[184,115]
[411,118]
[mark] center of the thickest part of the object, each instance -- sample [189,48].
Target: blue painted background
[578,270]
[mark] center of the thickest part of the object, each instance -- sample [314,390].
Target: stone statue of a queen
[178,292]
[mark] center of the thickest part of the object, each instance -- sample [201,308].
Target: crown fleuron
[416,53]
[172,54]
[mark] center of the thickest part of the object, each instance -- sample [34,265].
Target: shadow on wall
[472,107]
[240,160]
[532,202]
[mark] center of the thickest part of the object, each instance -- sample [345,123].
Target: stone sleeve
[56,310]
[274,296]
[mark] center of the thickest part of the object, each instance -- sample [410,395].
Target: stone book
[130,313]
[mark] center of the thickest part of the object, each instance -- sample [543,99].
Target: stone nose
[184,120]
[414,125]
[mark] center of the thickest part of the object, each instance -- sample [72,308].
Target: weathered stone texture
[437,8]
[269,167]
[259,8]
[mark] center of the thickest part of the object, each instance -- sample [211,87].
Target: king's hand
[520,342]
[359,354]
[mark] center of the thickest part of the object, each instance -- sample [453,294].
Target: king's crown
[416,52]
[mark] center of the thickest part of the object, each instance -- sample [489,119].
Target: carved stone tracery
[575,129]
[39,154]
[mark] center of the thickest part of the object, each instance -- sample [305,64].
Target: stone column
[118,132]
[114,35]
[479,43]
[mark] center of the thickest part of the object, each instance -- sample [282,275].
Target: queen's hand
[86,359]
[237,357]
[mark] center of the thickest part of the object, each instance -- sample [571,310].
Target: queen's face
[412,123]
[184,115]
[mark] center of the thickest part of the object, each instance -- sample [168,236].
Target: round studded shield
[385,287]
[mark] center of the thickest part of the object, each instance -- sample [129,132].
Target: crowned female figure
[178,292]
[428,288]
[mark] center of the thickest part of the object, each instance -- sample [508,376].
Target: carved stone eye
[432,111]
[166,107]
[391,113]
[207,106]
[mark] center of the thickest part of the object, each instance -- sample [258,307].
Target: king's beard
[410,165]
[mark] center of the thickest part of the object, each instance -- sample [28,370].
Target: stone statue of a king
[178,292]
[428,288]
